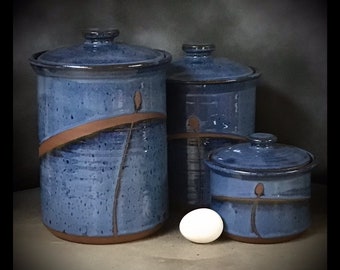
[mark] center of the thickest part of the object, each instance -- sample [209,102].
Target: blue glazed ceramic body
[261,189]
[102,107]
[210,103]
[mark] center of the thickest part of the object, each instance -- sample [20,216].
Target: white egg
[202,225]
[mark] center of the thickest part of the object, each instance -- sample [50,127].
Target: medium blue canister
[261,189]
[103,140]
[210,103]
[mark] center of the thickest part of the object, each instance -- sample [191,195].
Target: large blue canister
[103,139]
[210,103]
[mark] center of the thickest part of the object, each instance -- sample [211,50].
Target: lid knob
[96,37]
[198,49]
[262,139]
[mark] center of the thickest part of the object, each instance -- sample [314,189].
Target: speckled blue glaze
[275,222]
[78,85]
[282,206]
[68,102]
[79,180]
[98,52]
[221,94]
[198,66]
[221,108]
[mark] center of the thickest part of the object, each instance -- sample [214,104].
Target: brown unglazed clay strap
[262,201]
[189,135]
[93,127]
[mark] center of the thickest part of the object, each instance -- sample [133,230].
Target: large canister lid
[199,66]
[261,156]
[99,52]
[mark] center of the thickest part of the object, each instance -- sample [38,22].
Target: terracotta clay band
[272,240]
[92,127]
[189,135]
[97,240]
[259,200]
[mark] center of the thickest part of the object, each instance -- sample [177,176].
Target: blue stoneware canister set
[126,135]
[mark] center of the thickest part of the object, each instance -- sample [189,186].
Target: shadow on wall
[273,108]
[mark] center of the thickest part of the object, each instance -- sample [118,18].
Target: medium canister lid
[199,66]
[99,52]
[261,155]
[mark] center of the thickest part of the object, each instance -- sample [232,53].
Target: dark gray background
[286,40]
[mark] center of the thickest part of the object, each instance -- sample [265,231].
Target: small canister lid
[99,52]
[261,155]
[199,66]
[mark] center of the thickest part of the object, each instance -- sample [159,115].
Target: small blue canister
[261,189]
[103,140]
[210,103]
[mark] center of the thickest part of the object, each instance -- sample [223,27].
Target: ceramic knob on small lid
[262,139]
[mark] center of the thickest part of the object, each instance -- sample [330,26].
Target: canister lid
[261,154]
[98,52]
[199,66]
